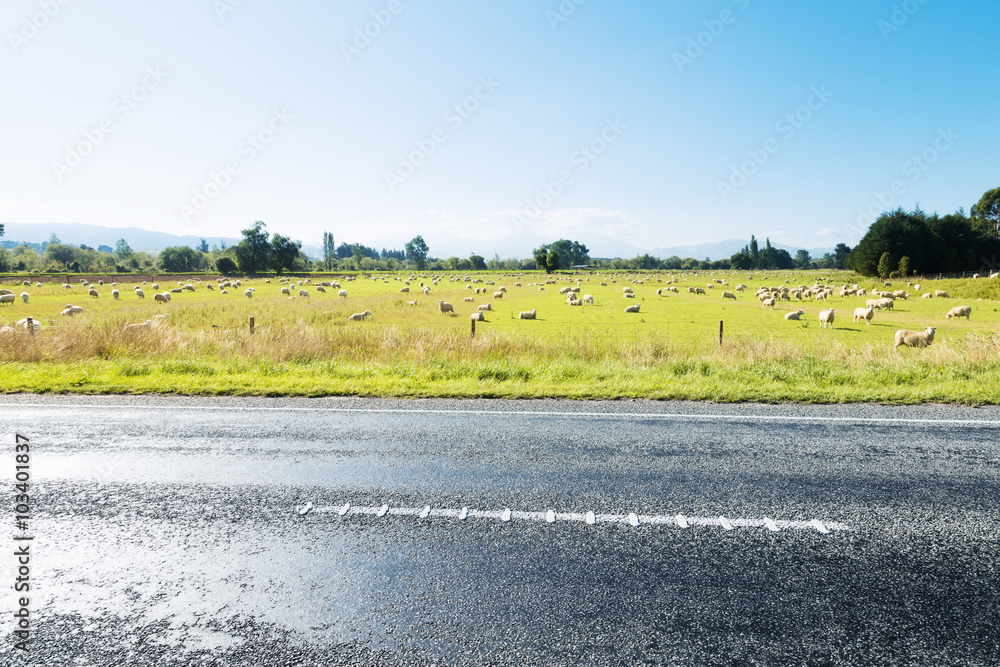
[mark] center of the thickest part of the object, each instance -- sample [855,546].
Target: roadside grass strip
[591,518]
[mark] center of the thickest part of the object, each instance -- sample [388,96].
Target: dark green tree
[840,254]
[986,213]
[203,246]
[329,250]
[885,265]
[254,251]
[754,252]
[478,262]
[179,259]
[541,255]
[284,252]
[802,259]
[122,250]
[904,266]
[416,251]
[897,233]
[225,265]
[551,261]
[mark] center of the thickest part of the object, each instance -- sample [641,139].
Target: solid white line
[590,518]
[9,407]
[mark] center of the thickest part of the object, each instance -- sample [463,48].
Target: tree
[840,254]
[897,233]
[802,259]
[329,250]
[203,246]
[571,253]
[741,261]
[904,266]
[986,213]
[62,254]
[122,250]
[179,259]
[541,258]
[284,252]
[885,265]
[1,230]
[253,252]
[754,252]
[552,261]
[478,262]
[225,265]
[416,251]
[53,238]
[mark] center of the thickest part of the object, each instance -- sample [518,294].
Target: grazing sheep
[995,275]
[587,299]
[285,291]
[627,290]
[320,288]
[94,293]
[4,292]
[767,303]
[795,315]
[222,291]
[304,293]
[527,314]
[137,328]
[629,295]
[698,290]
[357,317]
[446,307]
[469,299]
[342,293]
[6,298]
[885,304]
[157,285]
[25,296]
[160,298]
[959,311]
[941,294]
[114,294]
[176,290]
[411,303]
[915,339]
[728,295]
[426,290]
[188,287]
[139,293]
[603,284]
[484,307]
[826,318]
[926,295]
[23,324]
[574,302]
[404,290]
[248,293]
[497,295]
[633,309]
[479,316]
[865,314]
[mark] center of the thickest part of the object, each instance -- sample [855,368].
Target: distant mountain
[440,245]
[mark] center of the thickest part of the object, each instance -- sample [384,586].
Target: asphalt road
[169,531]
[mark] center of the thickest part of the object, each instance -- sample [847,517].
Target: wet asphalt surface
[166,532]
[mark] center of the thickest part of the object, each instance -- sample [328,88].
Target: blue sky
[488,124]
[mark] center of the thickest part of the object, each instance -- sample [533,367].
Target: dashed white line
[590,518]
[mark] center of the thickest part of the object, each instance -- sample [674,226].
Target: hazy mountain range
[441,246]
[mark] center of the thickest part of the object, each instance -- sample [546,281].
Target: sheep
[94,293]
[469,299]
[767,303]
[900,294]
[795,315]
[885,304]
[137,328]
[926,295]
[157,286]
[574,302]
[826,318]
[698,290]
[959,311]
[404,290]
[913,338]
[304,293]
[320,288]
[23,324]
[728,295]
[627,290]
[285,291]
[527,314]
[161,298]
[25,296]
[484,307]
[411,303]
[358,317]
[222,291]
[6,298]
[478,316]
[188,287]
[38,284]
[176,290]
[865,314]
[5,292]
[67,286]
[342,293]
[633,309]
[587,299]
[445,307]
[139,293]
[115,294]
[995,275]
[629,295]
[426,290]
[941,294]
[603,284]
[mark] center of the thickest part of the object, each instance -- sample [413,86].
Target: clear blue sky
[666,120]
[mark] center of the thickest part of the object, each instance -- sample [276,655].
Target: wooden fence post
[31,325]
[720,332]
[251,326]
[473,328]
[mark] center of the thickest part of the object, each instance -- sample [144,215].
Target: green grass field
[670,349]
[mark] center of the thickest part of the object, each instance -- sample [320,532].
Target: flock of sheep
[482,287]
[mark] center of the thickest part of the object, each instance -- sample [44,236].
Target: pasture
[306,345]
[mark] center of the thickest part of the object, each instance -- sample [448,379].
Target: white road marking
[305,510]
[382,511]
[14,407]
[590,518]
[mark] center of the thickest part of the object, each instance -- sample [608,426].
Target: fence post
[720,332]
[31,325]
[251,326]
[473,328]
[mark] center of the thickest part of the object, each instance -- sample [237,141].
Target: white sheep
[728,295]
[248,293]
[913,338]
[357,317]
[342,293]
[137,328]
[885,304]
[527,314]
[633,309]
[94,293]
[795,315]
[25,296]
[941,294]
[574,302]
[426,290]
[404,290]
[160,298]
[23,324]
[115,294]
[446,307]
[285,291]
[479,316]
[587,299]
[926,295]
[304,293]
[411,303]
[484,307]
[469,299]
[865,314]
[826,318]
[71,310]
[767,303]
[959,311]
[698,290]
[6,298]
[210,288]
[497,295]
